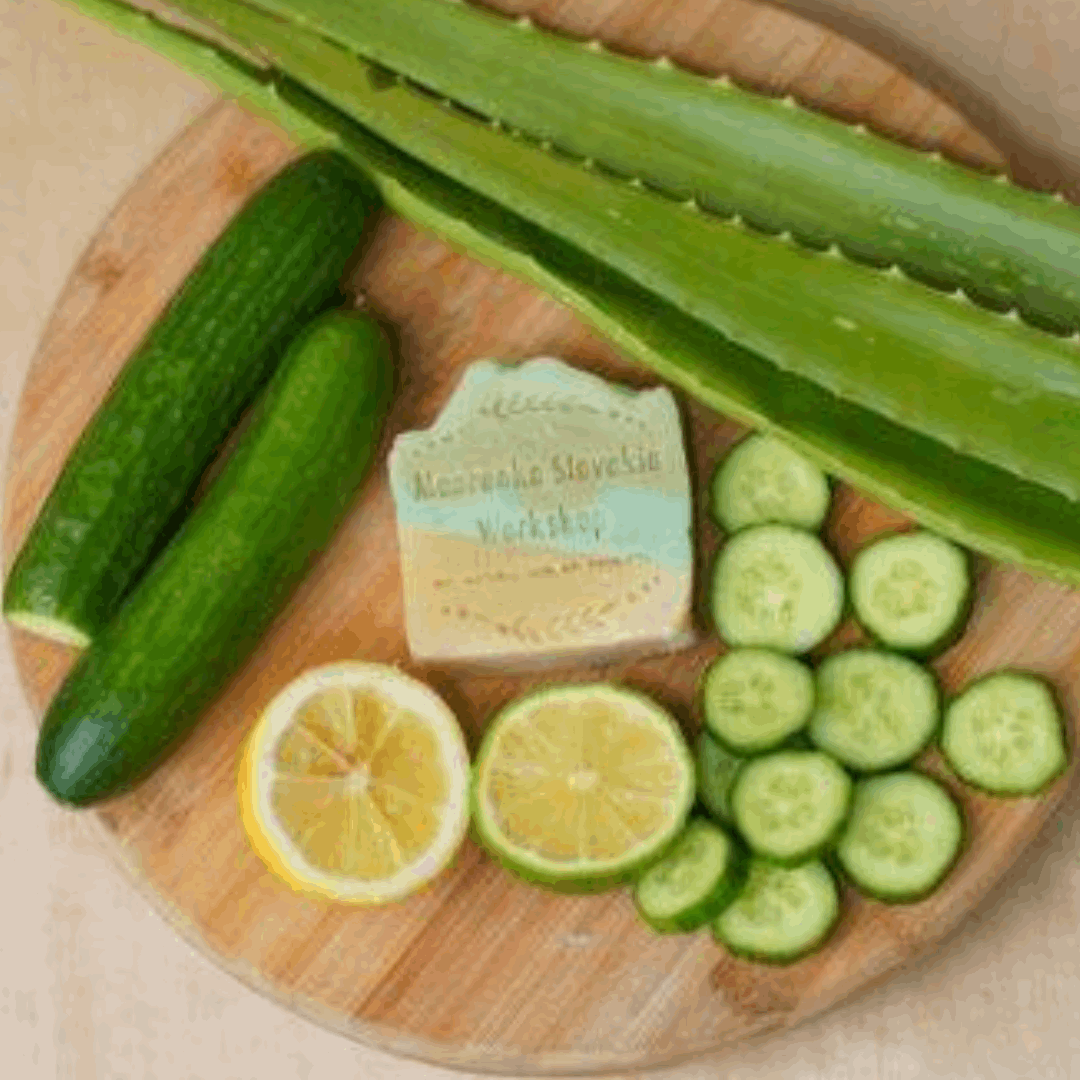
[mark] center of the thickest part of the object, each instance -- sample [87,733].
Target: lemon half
[582,787]
[354,784]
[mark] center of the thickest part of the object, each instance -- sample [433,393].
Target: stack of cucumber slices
[803,773]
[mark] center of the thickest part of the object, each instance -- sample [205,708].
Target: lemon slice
[354,784]
[582,787]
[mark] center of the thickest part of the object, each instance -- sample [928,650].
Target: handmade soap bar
[545,514]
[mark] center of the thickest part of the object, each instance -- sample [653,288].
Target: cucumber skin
[190,623]
[974,502]
[1055,696]
[780,166]
[132,472]
[710,906]
[945,640]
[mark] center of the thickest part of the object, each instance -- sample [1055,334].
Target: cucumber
[875,710]
[1005,734]
[699,876]
[776,587]
[763,481]
[904,834]
[753,700]
[191,621]
[716,771]
[655,278]
[781,914]
[134,468]
[790,805]
[912,591]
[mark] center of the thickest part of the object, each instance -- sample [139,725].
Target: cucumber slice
[903,836]
[1004,734]
[790,805]
[781,914]
[875,710]
[701,874]
[912,591]
[776,587]
[764,481]
[716,771]
[754,699]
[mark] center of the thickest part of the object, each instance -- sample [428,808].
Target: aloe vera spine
[964,498]
[778,165]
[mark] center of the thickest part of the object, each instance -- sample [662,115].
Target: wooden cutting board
[482,972]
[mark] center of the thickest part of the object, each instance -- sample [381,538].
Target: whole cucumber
[134,468]
[201,608]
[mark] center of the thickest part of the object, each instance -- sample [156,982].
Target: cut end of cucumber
[776,587]
[789,805]
[1004,734]
[698,877]
[904,834]
[780,914]
[912,591]
[63,633]
[875,709]
[755,699]
[764,481]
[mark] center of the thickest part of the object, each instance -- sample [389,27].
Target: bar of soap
[545,515]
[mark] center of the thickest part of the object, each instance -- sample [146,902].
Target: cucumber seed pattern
[1002,732]
[767,593]
[773,896]
[679,871]
[749,698]
[906,590]
[785,802]
[873,703]
[892,833]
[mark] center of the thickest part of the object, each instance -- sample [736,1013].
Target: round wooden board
[482,972]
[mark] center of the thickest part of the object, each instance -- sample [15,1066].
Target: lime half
[582,787]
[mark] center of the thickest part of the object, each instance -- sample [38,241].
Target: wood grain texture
[481,971]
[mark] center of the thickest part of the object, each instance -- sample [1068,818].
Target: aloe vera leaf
[780,166]
[983,384]
[968,500]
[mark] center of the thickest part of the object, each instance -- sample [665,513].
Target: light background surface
[94,986]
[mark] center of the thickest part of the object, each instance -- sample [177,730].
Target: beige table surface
[93,986]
